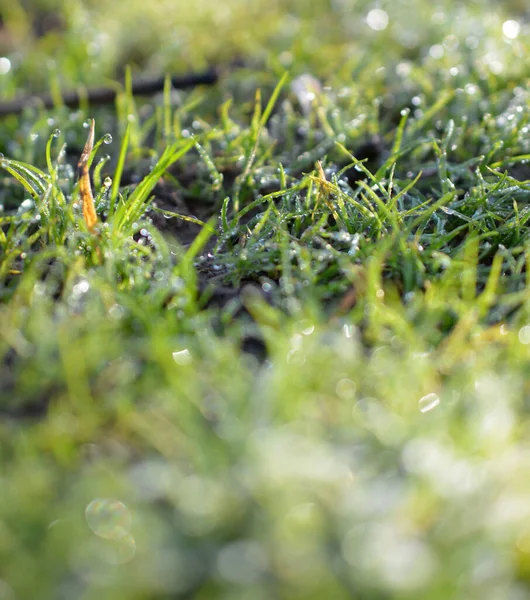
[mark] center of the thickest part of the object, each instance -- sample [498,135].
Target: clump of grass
[290,358]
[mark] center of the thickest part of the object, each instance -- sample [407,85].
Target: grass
[291,360]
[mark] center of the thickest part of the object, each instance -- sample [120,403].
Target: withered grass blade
[85,189]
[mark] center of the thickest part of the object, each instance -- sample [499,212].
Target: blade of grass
[119,169]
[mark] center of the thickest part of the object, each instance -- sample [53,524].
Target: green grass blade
[119,169]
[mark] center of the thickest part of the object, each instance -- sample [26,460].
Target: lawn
[291,357]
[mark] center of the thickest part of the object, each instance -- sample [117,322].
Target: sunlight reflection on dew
[296,357]
[116,312]
[511,29]
[81,288]
[306,88]
[26,205]
[348,331]
[524,334]
[306,327]
[109,519]
[5,65]
[182,357]
[428,402]
[436,51]
[377,19]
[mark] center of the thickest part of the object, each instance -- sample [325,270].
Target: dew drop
[511,29]
[56,133]
[524,335]
[348,331]
[306,327]
[182,357]
[377,19]
[81,288]
[87,123]
[5,65]
[428,402]
[107,182]
[27,204]
[107,138]
[436,51]
[108,519]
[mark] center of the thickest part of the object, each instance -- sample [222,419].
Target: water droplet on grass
[428,402]
[5,65]
[81,288]
[108,519]
[436,51]
[107,138]
[511,29]
[116,312]
[306,327]
[377,19]
[524,334]
[26,205]
[348,331]
[306,88]
[182,357]
[56,133]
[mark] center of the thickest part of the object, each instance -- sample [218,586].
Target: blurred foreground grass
[322,391]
